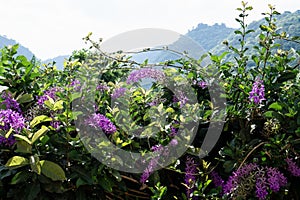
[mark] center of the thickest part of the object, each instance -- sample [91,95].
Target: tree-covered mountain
[196,42]
[4,41]
[286,22]
[209,36]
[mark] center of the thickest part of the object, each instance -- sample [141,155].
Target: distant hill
[287,21]
[196,42]
[4,41]
[59,61]
[209,36]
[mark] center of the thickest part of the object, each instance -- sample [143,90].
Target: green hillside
[209,36]
[286,22]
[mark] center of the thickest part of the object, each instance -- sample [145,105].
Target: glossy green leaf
[52,170]
[39,119]
[39,133]
[16,162]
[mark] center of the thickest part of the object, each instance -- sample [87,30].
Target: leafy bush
[51,133]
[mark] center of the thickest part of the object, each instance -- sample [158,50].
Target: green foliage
[49,160]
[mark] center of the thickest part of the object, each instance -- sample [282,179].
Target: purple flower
[157,101]
[181,98]
[100,121]
[118,93]
[202,84]
[190,175]
[217,180]
[258,92]
[76,85]
[48,93]
[266,178]
[137,75]
[275,179]
[174,128]
[174,142]
[292,167]
[7,141]
[11,119]
[10,102]
[55,124]
[261,185]
[153,103]
[237,176]
[157,148]
[102,87]
[152,164]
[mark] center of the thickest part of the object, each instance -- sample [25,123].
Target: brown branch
[256,147]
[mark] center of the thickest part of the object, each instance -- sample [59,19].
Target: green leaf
[39,133]
[39,119]
[170,110]
[52,170]
[58,105]
[9,133]
[275,106]
[105,184]
[117,175]
[25,98]
[49,103]
[20,177]
[75,95]
[23,147]
[80,182]
[268,114]
[126,143]
[22,137]
[32,191]
[160,108]
[16,162]
[238,32]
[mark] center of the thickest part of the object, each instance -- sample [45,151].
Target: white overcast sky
[56,27]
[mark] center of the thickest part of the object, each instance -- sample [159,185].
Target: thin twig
[257,146]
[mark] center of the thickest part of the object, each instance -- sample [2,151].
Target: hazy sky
[56,27]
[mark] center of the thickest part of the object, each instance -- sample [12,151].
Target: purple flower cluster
[102,87]
[266,178]
[48,93]
[10,102]
[100,121]
[174,128]
[217,180]
[7,141]
[76,85]
[202,84]
[261,185]
[137,75]
[258,92]
[174,142]
[292,167]
[190,175]
[236,177]
[55,124]
[157,101]
[181,98]
[11,119]
[152,164]
[118,93]
[275,179]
